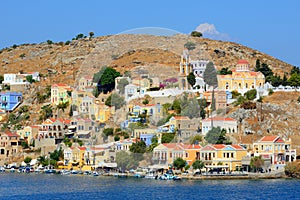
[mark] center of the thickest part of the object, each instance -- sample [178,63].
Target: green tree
[191,108]
[295,70]
[30,79]
[198,164]
[23,55]
[121,85]
[257,162]
[191,78]
[138,147]
[167,137]
[91,34]
[105,79]
[146,101]
[95,92]
[257,65]
[176,106]
[27,160]
[190,45]
[196,34]
[294,80]
[210,75]
[225,71]
[216,136]
[57,155]
[154,143]
[108,131]
[79,36]
[67,141]
[213,101]
[251,94]
[62,106]
[46,112]
[196,139]
[179,163]
[116,138]
[49,42]
[115,100]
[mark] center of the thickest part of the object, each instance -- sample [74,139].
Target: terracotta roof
[169,145]
[269,138]
[181,117]
[236,146]
[219,119]
[242,62]
[208,148]
[11,134]
[219,146]
[34,126]
[60,85]
[82,148]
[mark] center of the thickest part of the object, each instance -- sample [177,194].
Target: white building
[229,124]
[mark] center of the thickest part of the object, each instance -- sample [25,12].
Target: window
[186,155]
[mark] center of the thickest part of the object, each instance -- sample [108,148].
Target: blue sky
[270,26]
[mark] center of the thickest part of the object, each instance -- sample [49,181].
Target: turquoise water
[42,186]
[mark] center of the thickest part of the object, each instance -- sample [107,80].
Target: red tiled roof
[82,148]
[11,134]
[218,146]
[181,117]
[208,148]
[236,146]
[60,85]
[219,119]
[268,138]
[242,62]
[169,145]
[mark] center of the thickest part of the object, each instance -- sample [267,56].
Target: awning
[83,133]
[109,165]
[72,127]
[216,166]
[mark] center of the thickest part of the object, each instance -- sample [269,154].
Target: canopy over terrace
[216,167]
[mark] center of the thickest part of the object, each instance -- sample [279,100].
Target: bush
[270,92]
[68,42]
[251,94]
[190,45]
[196,34]
[49,42]
[117,138]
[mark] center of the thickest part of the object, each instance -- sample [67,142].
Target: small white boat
[95,173]
[65,172]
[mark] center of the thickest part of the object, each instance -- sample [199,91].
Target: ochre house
[227,157]
[241,79]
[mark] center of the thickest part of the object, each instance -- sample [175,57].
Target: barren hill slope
[123,52]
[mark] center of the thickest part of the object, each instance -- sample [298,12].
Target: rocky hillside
[60,62]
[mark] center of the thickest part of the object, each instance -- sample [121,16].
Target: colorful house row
[165,153]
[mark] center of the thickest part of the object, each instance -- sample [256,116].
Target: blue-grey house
[147,138]
[10,100]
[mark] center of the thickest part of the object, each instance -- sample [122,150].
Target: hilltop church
[242,78]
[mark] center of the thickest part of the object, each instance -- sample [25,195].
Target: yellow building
[60,93]
[276,149]
[102,111]
[165,154]
[28,133]
[228,157]
[242,78]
